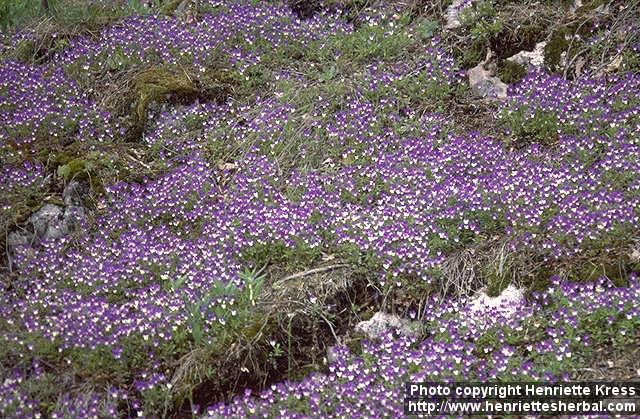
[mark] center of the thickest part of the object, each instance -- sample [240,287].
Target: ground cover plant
[258,177]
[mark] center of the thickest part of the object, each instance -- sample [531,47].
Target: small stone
[72,217]
[72,193]
[530,59]
[381,323]
[484,84]
[19,238]
[614,65]
[48,222]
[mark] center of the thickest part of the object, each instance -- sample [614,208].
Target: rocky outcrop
[51,222]
[483,81]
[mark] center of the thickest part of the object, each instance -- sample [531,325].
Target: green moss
[170,8]
[155,85]
[530,34]
[75,168]
[496,284]
[510,72]
[470,55]
[354,343]
[174,84]
[555,47]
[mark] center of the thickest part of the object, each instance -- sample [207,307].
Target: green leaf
[178,283]
[328,74]
[64,171]
[427,28]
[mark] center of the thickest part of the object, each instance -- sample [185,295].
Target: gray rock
[18,238]
[51,221]
[73,216]
[72,193]
[381,323]
[530,59]
[482,81]
[48,222]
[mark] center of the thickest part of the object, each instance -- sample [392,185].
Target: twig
[146,166]
[313,271]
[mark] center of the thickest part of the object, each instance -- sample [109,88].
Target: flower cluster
[15,178]
[371,383]
[39,104]
[601,108]
[242,29]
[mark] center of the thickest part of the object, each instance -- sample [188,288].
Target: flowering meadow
[536,342]
[335,145]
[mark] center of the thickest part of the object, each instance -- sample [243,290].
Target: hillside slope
[207,206]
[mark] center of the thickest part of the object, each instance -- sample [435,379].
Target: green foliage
[481,21]
[478,14]
[18,205]
[425,92]
[365,44]
[630,62]
[427,28]
[14,12]
[290,257]
[67,13]
[540,127]
[480,25]
[605,325]
[510,72]
[73,169]
[471,54]
[230,305]
[555,47]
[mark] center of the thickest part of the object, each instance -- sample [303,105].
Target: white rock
[530,59]
[509,300]
[381,323]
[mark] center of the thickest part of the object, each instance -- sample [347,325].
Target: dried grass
[302,314]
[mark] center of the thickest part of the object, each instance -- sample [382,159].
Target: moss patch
[510,72]
[555,47]
[172,85]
